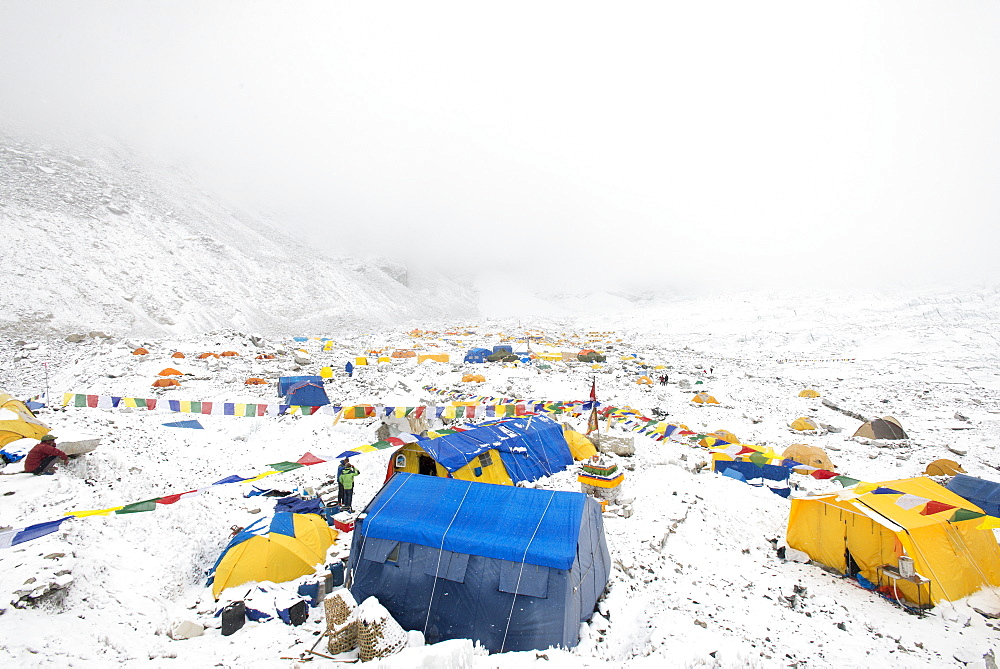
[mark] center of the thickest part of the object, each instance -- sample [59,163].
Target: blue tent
[286,382]
[478,354]
[503,347]
[984,494]
[512,568]
[307,394]
[530,447]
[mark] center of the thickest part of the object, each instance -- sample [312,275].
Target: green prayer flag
[846,481]
[79,400]
[138,507]
[758,459]
[195,407]
[285,466]
[964,514]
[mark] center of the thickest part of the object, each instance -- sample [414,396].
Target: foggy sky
[574,144]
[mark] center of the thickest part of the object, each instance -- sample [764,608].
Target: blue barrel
[312,591]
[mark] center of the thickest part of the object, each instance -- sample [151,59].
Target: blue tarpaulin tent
[984,494]
[478,354]
[530,447]
[512,568]
[307,393]
[286,382]
[503,347]
[748,472]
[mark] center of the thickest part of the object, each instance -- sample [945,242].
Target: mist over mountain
[98,239]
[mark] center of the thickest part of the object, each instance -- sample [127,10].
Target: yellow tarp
[436,357]
[808,392]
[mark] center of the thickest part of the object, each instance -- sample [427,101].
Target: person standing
[347,473]
[349,368]
[41,458]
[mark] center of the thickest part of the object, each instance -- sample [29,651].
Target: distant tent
[944,467]
[867,533]
[473,378]
[504,452]
[177,354]
[644,381]
[436,357]
[190,424]
[265,356]
[17,421]
[433,553]
[229,354]
[808,392]
[590,355]
[805,454]
[804,424]
[477,355]
[886,427]
[166,383]
[278,549]
[255,381]
[360,361]
[502,356]
[404,354]
[307,393]
[704,398]
[140,351]
[984,494]
[170,371]
[208,355]
[503,347]
[724,435]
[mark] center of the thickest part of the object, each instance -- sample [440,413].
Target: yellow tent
[808,392]
[804,424]
[814,456]
[326,372]
[704,398]
[580,447]
[415,460]
[436,357]
[644,381]
[17,421]
[384,359]
[291,545]
[725,435]
[473,378]
[943,467]
[360,362]
[875,531]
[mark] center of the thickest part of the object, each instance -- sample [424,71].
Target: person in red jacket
[40,458]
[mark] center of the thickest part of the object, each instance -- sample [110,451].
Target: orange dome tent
[644,381]
[265,356]
[804,424]
[170,371]
[404,354]
[473,378]
[208,355]
[178,354]
[704,398]
[254,381]
[140,351]
[229,354]
[944,467]
[166,383]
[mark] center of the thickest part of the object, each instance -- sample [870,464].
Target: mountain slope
[103,242]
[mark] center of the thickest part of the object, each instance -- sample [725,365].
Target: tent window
[526,579]
[393,554]
[446,564]
[378,550]
[400,461]
[485,460]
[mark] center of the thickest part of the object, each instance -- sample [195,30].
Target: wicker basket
[380,639]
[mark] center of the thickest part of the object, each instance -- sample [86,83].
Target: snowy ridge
[103,242]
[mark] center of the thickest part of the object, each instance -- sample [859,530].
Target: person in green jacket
[346,481]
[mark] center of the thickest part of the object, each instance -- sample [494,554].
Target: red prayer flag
[933,507]
[823,474]
[92,401]
[309,459]
[593,390]
[170,499]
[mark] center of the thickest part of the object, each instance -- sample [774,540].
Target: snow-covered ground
[697,580]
